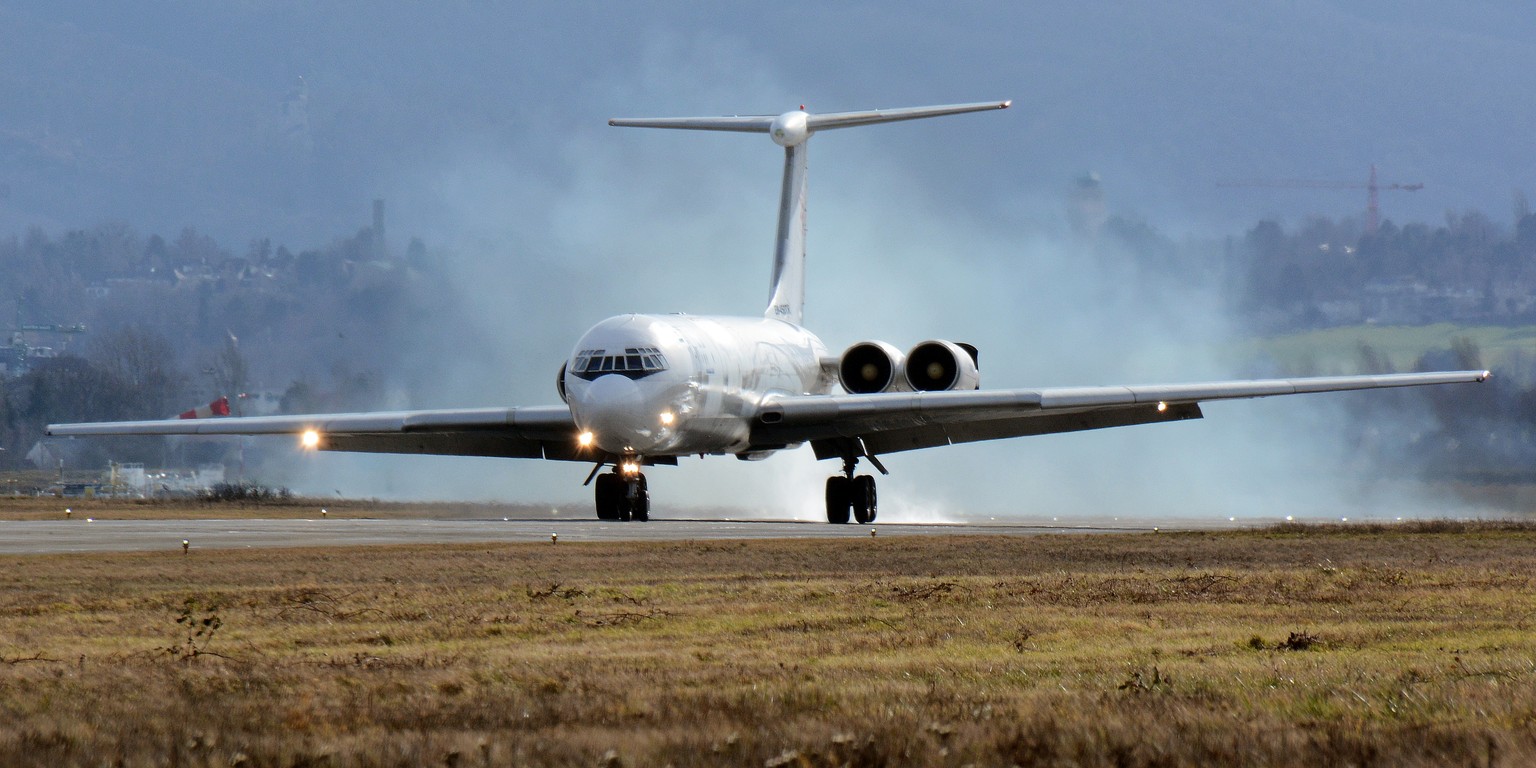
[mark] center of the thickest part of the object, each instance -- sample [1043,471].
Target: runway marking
[62,536]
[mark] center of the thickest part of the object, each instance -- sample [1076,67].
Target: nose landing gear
[623,496]
[847,493]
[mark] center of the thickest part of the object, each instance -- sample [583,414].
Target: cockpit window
[633,362]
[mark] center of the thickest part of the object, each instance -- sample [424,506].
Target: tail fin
[791,130]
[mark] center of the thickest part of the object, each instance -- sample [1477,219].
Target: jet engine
[871,366]
[560,384]
[934,366]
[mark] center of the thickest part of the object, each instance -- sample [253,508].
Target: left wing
[862,425]
[541,432]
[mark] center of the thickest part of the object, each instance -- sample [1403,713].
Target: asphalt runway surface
[63,536]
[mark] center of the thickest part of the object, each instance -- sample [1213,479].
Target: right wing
[862,425]
[540,432]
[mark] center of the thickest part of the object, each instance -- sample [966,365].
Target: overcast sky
[1164,100]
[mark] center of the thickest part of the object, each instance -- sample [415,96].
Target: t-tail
[791,131]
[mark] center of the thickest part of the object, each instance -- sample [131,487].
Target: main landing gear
[847,493]
[623,497]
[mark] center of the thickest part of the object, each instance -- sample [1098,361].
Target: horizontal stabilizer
[813,121]
[739,123]
[873,116]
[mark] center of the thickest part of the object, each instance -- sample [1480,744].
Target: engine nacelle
[560,384]
[934,366]
[871,366]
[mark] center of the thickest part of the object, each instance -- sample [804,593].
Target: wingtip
[1005,104]
[1486,375]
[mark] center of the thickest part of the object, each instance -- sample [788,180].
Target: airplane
[643,390]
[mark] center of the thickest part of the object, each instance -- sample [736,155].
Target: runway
[64,536]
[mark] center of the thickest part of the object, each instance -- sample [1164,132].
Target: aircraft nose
[613,410]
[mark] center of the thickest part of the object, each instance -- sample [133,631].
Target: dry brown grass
[1295,646]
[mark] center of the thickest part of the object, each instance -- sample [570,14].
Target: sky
[1164,100]
[484,127]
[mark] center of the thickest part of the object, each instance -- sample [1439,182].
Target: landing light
[1161,406]
[629,467]
[584,439]
[666,418]
[310,439]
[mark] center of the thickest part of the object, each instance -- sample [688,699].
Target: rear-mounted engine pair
[932,366]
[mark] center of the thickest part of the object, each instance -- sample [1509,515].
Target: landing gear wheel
[863,499]
[610,491]
[839,498]
[639,497]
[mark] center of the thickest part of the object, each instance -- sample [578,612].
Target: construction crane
[19,356]
[1372,189]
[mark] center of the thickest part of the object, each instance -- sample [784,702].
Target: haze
[484,127]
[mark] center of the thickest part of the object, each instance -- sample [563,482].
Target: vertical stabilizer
[786,297]
[791,131]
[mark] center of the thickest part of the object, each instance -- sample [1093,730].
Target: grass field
[1337,350]
[1401,645]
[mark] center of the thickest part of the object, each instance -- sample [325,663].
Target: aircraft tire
[642,510]
[863,498]
[839,498]
[634,499]
[640,507]
[608,492]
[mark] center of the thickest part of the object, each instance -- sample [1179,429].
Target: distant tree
[260,251]
[299,397]
[1525,233]
[145,363]
[230,373]
[156,259]
[193,247]
[62,389]
[349,390]
[283,259]
[1469,356]
[69,388]
[1372,360]
[10,447]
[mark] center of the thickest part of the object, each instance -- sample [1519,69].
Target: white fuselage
[671,385]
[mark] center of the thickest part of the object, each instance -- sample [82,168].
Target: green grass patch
[1337,350]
